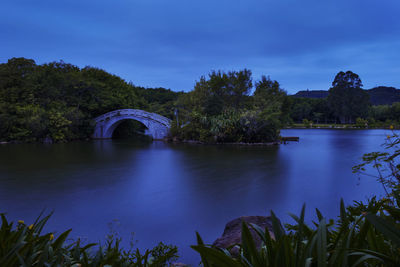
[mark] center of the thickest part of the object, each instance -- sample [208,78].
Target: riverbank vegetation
[313,112]
[58,101]
[346,105]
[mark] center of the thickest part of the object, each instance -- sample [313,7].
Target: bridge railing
[134,112]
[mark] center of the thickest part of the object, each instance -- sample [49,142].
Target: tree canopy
[346,98]
[57,100]
[221,109]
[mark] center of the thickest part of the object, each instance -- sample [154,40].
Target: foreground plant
[386,165]
[357,238]
[363,235]
[24,245]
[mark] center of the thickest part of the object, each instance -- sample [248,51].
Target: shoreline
[193,142]
[344,127]
[329,127]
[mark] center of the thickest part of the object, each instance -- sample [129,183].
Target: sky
[172,43]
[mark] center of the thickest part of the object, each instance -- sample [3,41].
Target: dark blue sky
[171,43]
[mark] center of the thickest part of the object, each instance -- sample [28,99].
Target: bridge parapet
[158,126]
[134,112]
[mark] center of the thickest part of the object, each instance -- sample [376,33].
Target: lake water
[166,192]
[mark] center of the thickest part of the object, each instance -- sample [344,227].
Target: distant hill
[312,94]
[381,95]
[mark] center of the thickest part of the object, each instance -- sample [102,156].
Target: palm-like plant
[353,240]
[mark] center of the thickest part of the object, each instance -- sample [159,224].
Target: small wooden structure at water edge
[285,139]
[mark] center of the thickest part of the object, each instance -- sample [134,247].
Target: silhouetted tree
[346,98]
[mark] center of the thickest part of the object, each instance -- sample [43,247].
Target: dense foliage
[221,109]
[318,111]
[384,115]
[160,100]
[380,95]
[346,98]
[346,103]
[315,110]
[57,100]
[365,234]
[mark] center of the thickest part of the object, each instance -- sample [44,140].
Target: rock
[233,232]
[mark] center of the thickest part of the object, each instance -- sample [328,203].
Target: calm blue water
[166,192]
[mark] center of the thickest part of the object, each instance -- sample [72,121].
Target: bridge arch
[157,126]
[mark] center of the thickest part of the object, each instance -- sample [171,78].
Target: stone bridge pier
[157,126]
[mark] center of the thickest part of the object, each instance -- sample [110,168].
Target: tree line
[223,108]
[58,100]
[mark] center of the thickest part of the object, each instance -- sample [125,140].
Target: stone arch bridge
[157,126]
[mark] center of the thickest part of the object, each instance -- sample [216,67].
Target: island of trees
[58,101]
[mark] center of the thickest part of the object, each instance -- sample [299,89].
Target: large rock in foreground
[233,232]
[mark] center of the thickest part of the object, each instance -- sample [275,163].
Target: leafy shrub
[307,123]
[362,123]
[230,127]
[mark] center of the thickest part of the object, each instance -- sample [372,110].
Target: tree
[346,98]
[219,109]
[222,91]
[272,100]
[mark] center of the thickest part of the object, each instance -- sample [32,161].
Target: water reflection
[166,192]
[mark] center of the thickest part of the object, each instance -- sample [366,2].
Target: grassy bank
[338,126]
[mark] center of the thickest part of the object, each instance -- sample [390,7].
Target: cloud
[302,44]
